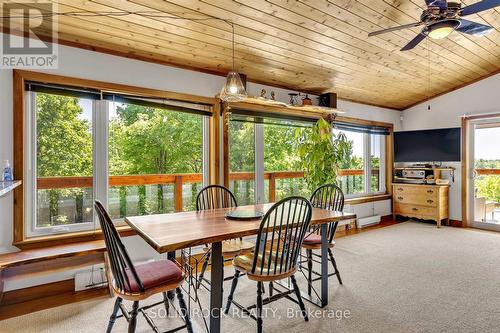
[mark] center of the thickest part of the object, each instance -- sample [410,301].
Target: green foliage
[281,147]
[64,141]
[145,140]
[487,164]
[64,148]
[488,187]
[322,153]
[242,147]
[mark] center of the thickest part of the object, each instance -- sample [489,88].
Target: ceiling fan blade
[411,25]
[473,28]
[414,42]
[479,7]
[442,4]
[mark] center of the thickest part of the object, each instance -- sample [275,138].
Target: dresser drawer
[415,210]
[423,199]
[402,189]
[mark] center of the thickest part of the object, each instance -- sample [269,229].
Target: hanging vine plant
[322,152]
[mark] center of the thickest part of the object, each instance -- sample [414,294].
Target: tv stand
[421,201]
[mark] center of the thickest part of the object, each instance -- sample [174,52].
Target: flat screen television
[436,145]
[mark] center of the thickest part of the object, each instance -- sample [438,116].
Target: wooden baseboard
[456,223]
[386,218]
[27,300]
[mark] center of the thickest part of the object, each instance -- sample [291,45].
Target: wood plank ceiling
[306,45]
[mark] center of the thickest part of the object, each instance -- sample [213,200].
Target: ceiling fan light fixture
[442,29]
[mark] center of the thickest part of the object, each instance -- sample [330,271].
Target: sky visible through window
[86,105]
[486,142]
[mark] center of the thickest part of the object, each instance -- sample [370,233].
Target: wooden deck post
[178,193]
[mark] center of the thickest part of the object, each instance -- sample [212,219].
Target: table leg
[216,288]
[171,293]
[324,265]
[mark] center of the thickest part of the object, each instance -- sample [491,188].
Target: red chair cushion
[154,274]
[312,239]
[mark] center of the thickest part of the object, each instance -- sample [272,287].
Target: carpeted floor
[410,277]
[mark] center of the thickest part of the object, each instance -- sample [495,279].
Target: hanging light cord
[232,28]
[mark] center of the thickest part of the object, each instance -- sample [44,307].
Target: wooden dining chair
[214,197]
[138,282]
[275,256]
[330,197]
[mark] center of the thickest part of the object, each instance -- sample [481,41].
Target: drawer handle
[400,198]
[430,191]
[414,209]
[400,188]
[430,201]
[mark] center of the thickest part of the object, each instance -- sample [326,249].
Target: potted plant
[322,152]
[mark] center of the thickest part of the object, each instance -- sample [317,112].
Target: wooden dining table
[167,233]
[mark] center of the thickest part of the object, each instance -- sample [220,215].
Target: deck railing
[487,172]
[178,180]
[133,193]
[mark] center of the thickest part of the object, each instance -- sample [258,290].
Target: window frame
[367,169]
[31,173]
[386,158]
[24,214]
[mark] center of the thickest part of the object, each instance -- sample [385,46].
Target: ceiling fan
[441,18]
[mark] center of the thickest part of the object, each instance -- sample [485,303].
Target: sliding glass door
[484,163]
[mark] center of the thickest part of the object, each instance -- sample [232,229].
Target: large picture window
[61,163]
[137,155]
[264,163]
[282,173]
[363,172]
[153,143]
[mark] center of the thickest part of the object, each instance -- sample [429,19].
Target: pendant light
[233,90]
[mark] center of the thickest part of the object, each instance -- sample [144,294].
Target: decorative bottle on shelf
[7,172]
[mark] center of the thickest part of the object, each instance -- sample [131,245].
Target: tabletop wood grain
[170,232]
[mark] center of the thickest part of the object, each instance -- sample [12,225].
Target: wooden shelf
[423,168]
[8,186]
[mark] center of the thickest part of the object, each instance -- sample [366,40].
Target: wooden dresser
[428,202]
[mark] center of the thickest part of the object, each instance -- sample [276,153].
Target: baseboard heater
[367,221]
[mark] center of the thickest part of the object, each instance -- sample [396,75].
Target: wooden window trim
[19,78]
